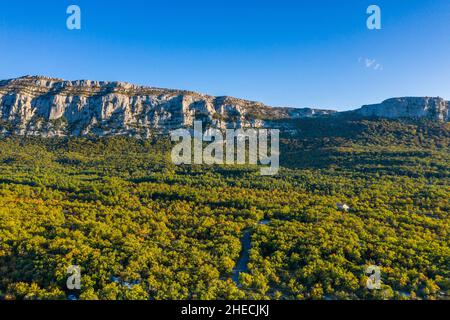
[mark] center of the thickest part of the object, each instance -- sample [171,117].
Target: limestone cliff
[48,107]
[408,107]
[54,107]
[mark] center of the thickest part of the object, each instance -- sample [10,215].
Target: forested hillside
[142,228]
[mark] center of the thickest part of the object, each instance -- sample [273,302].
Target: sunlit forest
[140,227]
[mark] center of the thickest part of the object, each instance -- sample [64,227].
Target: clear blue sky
[283,53]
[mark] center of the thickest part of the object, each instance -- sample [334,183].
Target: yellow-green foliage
[118,208]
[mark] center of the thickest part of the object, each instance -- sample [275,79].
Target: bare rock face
[409,107]
[41,106]
[44,106]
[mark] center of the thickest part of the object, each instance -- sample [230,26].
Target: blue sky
[314,53]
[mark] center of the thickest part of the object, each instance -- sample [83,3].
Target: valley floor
[141,228]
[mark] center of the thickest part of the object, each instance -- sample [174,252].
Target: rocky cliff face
[409,107]
[54,107]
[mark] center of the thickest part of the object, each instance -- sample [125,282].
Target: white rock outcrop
[43,106]
[54,107]
[409,107]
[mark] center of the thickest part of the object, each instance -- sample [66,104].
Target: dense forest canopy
[142,228]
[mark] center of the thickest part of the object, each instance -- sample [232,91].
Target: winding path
[246,244]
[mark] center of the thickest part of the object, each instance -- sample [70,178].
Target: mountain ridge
[45,106]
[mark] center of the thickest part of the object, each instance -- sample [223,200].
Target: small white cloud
[371,64]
